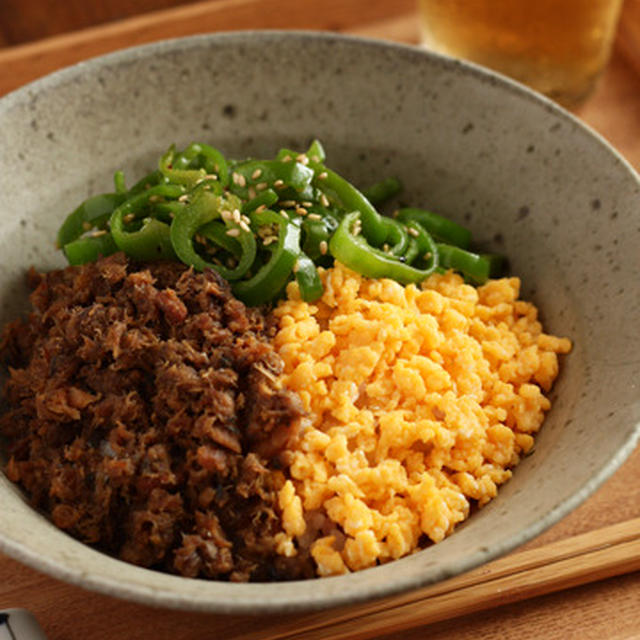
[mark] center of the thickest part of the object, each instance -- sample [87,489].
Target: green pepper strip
[373,227]
[89,249]
[308,279]
[316,152]
[272,277]
[204,207]
[216,231]
[478,268]
[170,167]
[382,191]
[292,174]
[397,236]
[202,156]
[315,232]
[150,180]
[357,254]
[441,228]
[151,241]
[92,213]
[264,198]
[119,183]
[422,246]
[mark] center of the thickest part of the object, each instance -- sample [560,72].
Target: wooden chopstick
[598,554]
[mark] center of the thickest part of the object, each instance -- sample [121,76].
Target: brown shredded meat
[144,418]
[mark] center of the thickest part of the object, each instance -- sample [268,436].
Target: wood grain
[33,19]
[32,60]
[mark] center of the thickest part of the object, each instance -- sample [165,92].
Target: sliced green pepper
[382,191]
[441,228]
[119,183]
[270,173]
[91,214]
[216,232]
[397,237]
[151,241]
[176,173]
[422,246]
[357,254]
[316,152]
[353,200]
[271,277]
[316,235]
[308,278]
[204,207]
[265,198]
[89,249]
[477,267]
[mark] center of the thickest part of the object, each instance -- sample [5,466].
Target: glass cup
[557,47]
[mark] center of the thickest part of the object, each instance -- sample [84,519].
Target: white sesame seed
[154,198]
[324,201]
[306,203]
[238,179]
[296,266]
[323,176]
[412,232]
[302,159]
[246,219]
[256,174]
[315,158]
[128,218]
[301,211]
[226,215]
[261,186]
[184,198]
[251,192]
[278,183]
[100,232]
[261,208]
[269,240]
[284,214]
[244,226]
[314,216]
[386,248]
[235,216]
[234,233]
[324,247]
[211,176]
[288,203]
[287,158]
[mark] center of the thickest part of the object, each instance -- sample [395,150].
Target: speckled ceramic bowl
[529,179]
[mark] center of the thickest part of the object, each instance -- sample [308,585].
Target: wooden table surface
[607,609]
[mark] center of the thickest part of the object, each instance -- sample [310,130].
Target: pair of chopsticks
[567,563]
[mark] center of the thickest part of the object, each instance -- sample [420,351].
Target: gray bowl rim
[250,601]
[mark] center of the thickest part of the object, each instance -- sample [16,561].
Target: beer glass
[557,47]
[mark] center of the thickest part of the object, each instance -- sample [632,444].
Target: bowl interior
[528,179]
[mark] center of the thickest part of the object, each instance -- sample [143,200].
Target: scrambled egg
[420,401]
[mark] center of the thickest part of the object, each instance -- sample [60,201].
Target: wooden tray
[599,540]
